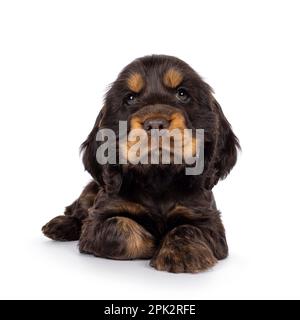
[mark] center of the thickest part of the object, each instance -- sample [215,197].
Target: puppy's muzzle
[156,123]
[158,117]
[158,135]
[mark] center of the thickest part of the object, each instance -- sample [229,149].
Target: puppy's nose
[156,124]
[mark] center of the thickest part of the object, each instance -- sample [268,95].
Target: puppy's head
[161,93]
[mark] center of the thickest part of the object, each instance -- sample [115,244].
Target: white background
[57,58]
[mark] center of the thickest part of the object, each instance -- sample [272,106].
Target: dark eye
[130,99]
[182,95]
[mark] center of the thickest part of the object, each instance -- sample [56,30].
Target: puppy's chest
[158,213]
[161,209]
[156,218]
[160,205]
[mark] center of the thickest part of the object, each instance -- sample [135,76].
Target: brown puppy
[157,211]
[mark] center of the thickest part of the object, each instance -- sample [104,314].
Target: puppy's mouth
[158,134]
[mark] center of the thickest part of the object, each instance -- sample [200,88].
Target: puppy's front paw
[181,253]
[63,228]
[116,238]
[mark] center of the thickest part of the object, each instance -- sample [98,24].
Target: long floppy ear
[226,147]
[108,176]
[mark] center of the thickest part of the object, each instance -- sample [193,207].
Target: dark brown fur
[154,212]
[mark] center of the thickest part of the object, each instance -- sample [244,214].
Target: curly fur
[154,212]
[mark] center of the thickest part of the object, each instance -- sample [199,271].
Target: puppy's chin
[146,153]
[170,169]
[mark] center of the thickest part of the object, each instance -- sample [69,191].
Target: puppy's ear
[227,145]
[108,176]
[89,150]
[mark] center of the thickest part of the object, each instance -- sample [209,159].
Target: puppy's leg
[116,238]
[67,227]
[112,231]
[194,244]
[183,250]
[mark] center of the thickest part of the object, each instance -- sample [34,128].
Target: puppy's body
[154,212]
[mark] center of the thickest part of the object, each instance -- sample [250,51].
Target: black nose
[156,124]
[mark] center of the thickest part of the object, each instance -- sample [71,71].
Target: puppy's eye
[182,95]
[130,98]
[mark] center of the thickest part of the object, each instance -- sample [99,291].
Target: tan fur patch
[127,206]
[135,82]
[132,207]
[194,146]
[172,78]
[136,123]
[140,243]
[88,196]
[180,211]
[177,121]
[88,200]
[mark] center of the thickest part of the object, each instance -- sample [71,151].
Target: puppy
[156,211]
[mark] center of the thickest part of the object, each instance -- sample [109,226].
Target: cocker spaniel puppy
[153,210]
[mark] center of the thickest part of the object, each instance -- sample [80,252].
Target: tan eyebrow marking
[172,78]
[135,82]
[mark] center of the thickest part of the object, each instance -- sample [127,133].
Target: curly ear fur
[227,145]
[89,149]
[108,176]
[225,151]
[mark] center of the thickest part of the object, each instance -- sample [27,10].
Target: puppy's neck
[158,181]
